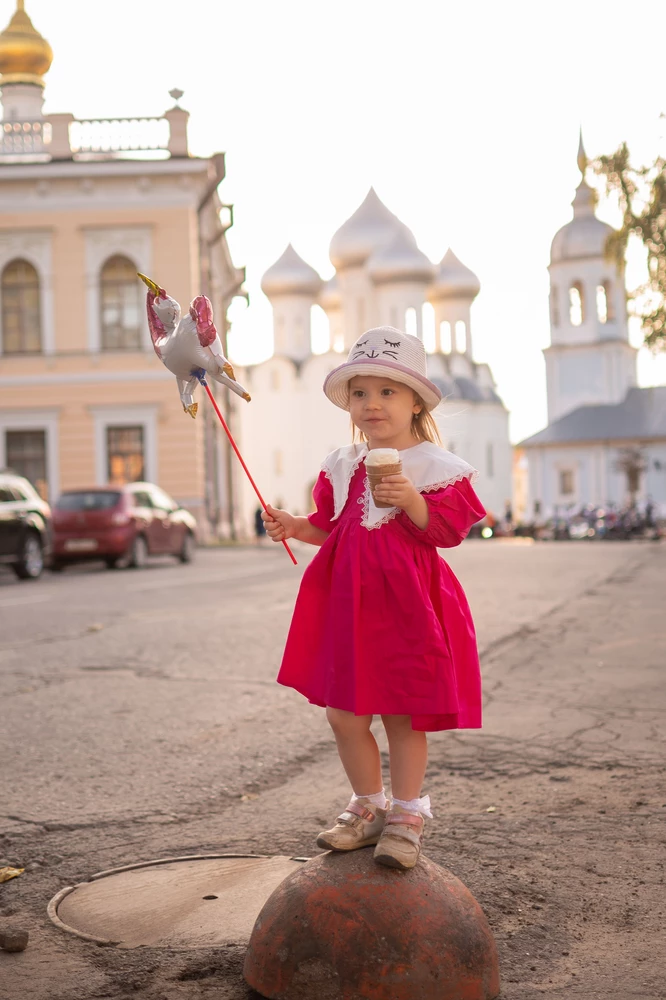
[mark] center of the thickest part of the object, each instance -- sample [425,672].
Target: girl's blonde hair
[423,427]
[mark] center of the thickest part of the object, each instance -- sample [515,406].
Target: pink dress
[381,624]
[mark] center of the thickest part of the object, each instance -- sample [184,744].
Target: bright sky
[464,116]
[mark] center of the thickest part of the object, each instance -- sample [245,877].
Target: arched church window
[445,336]
[411,325]
[21,319]
[339,342]
[605,310]
[320,330]
[602,304]
[428,324]
[554,307]
[121,301]
[576,304]
[461,336]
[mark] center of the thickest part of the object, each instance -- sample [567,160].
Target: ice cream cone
[375,475]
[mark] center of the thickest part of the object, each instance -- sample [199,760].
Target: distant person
[259,526]
[381,625]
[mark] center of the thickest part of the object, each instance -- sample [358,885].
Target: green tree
[641,192]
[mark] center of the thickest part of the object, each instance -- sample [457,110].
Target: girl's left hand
[399,491]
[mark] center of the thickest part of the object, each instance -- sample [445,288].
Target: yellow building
[84,205]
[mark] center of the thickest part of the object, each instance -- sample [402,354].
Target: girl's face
[383,410]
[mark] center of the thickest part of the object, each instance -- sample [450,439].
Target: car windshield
[89,500]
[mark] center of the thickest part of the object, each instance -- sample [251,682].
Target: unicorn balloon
[188,347]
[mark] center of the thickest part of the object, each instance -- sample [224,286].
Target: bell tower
[590,359]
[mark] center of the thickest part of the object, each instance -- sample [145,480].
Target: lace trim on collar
[393,512]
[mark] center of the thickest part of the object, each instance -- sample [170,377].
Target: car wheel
[31,559]
[138,553]
[111,561]
[186,554]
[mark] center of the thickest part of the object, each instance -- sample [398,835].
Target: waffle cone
[375,475]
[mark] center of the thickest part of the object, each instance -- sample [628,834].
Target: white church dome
[290,275]
[371,226]
[585,235]
[400,260]
[453,280]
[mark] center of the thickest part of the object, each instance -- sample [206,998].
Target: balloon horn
[155,288]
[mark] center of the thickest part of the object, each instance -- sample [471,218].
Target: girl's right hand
[279,523]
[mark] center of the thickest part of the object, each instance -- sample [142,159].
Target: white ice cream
[382,456]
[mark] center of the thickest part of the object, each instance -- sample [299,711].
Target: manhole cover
[191,902]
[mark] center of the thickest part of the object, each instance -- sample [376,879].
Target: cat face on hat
[377,344]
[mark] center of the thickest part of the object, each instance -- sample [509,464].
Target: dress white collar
[427,465]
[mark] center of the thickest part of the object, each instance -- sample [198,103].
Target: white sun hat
[388,352]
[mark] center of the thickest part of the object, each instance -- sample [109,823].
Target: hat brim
[336,384]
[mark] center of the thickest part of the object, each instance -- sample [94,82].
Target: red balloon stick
[240,459]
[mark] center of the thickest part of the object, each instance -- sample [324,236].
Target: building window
[576,304]
[339,342]
[566,482]
[605,311]
[428,325]
[411,325]
[125,455]
[554,307]
[21,319]
[490,460]
[121,302]
[320,331]
[461,336]
[445,336]
[602,304]
[26,454]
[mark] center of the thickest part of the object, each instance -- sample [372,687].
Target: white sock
[418,807]
[376,799]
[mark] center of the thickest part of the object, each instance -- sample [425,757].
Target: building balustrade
[63,137]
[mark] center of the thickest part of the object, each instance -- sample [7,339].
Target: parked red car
[122,525]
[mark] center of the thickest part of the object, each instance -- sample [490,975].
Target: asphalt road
[151,692]
[140,719]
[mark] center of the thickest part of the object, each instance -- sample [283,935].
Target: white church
[596,412]
[381,277]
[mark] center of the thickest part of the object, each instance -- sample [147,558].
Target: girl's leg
[362,822]
[400,843]
[408,755]
[358,750]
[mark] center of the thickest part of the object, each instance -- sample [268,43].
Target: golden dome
[24,55]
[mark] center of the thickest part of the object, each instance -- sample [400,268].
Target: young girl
[381,625]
